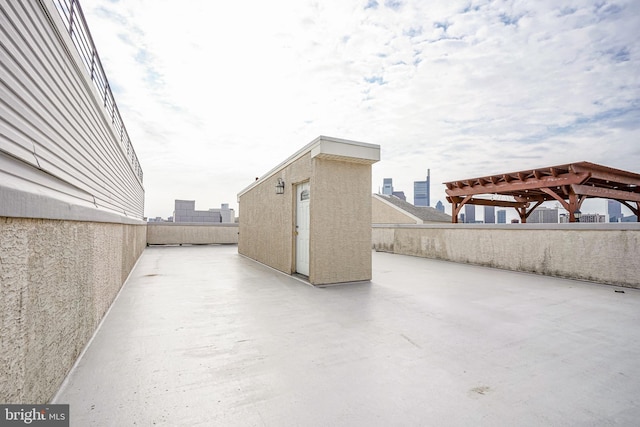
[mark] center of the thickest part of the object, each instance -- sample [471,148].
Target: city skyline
[590,206]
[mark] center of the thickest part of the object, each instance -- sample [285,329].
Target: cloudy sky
[216,93]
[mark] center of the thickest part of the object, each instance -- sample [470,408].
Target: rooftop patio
[200,335]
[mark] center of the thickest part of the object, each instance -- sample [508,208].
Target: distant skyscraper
[502,216]
[543,215]
[440,206]
[387,186]
[489,214]
[422,191]
[614,209]
[185,211]
[470,213]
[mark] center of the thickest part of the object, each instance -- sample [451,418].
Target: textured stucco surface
[267,218]
[600,254]
[57,279]
[197,234]
[340,220]
[340,249]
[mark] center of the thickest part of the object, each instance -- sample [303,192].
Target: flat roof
[200,335]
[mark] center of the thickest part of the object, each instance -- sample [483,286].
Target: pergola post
[575,202]
[524,212]
[456,206]
[455,209]
[573,206]
[523,215]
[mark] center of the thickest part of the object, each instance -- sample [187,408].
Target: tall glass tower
[469,213]
[387,186]
[614,209]
[422,191]
[489,214]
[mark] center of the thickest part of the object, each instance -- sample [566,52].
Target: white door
[302,228]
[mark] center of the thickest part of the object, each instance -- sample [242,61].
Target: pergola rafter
[569,184]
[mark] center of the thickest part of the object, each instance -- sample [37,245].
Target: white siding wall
[60,155]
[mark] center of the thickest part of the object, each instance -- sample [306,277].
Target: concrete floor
[200,336]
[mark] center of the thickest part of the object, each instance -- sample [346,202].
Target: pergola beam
[557,197]
[635,210]
[518,185]
[524,213]
[485,202]
[607,174]
[605,193]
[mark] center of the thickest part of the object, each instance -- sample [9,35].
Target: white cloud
[216,93]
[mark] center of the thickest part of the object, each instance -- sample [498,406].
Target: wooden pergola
[569,184]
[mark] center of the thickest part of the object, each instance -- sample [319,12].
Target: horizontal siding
[51,116]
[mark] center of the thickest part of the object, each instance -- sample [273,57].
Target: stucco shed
[311,214]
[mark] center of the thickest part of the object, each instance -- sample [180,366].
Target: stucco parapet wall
[193,224]
[326,147]
[570,226]
[58,278]
[601,253]
[195,233]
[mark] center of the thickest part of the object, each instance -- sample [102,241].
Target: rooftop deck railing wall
[602,253]
[191,233]
[76,24]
